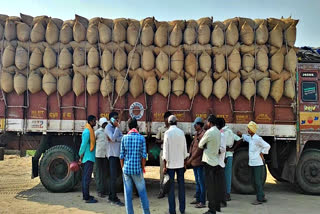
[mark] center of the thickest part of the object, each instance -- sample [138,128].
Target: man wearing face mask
[115,135]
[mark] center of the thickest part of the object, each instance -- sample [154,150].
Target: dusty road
[20,194]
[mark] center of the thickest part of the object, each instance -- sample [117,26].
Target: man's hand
[158,141]
[108,138]
[262,157]
[121,163]
[116,124]
[188,163]
[80,160]
[239,133]
[229,149]
[165,170]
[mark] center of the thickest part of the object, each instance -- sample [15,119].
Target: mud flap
[35,168]
[43,146]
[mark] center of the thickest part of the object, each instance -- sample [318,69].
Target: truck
[52,125]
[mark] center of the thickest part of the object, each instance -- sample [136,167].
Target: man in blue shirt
[133,159]
[87,157]
[114,135]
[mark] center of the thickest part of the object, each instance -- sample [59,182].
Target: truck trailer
[51,122]
[291,127]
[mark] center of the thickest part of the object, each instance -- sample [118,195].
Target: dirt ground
[20,194]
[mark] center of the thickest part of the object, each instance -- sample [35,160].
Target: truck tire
[242,174]
[55,174]
[308,171]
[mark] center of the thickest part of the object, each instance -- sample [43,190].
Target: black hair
[173,123]
[201,124]
[167,115]
[212,119]
[133,123]
[91,118]
[220,123]
[112,114]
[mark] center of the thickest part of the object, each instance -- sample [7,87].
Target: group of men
[103,148]
[110,149]
[210,156]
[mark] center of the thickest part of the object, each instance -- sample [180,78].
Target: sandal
[200,205]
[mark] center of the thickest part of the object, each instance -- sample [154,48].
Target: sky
[307,11]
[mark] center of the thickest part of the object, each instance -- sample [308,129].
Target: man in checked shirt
[133,156]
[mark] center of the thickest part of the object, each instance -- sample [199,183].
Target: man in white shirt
[174,157]
[230,137]
[257,147]
[222,156]
[101,158]
[210,142]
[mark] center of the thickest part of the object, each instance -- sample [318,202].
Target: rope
[128,67]
[113,82]
[169,69]
[26,120]
[255,73]
[228,73]
[195,78]
[103,72]
[85,78]
[58,97]
[292,82]
[3,95]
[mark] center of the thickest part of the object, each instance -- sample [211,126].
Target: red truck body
[291,127]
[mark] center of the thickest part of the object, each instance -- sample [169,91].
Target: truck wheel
[308,171]
[242,174]
[55,174]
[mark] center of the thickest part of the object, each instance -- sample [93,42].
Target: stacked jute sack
[237,56]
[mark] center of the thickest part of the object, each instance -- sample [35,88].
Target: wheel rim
[58,169]
[311,171]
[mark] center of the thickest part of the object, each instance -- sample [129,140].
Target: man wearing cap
[195,161]
[257,147]
[101,158]
[210,142]
[159,137]
[174,157]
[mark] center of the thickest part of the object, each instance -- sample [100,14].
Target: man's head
[252,128]
[220,123]
[198,124]
[172,120]
[132,123]
[211,121]
[103,122]
[166,116]
[114,115]
[92,120]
